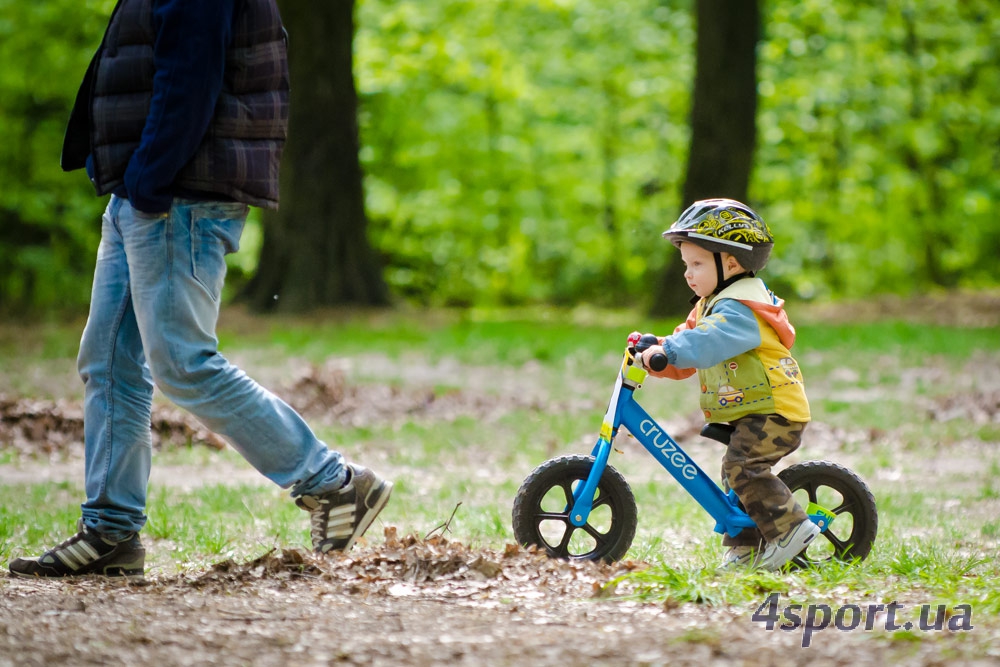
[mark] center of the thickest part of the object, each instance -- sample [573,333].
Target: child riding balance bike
[737,340]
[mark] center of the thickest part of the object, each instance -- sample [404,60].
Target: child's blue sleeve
[730,330]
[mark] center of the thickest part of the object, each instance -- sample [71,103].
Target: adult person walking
[181,117]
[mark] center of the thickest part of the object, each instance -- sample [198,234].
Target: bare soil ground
[402,600]
[413,602]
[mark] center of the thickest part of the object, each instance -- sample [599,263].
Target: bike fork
[583,495]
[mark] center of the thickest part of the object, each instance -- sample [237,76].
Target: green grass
[916,340]
[478,337]
[33,514]
[935,481]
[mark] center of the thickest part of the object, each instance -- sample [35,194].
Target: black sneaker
[340,517]
[86,553]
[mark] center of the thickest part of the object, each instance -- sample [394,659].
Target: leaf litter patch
[410,602]
[977,408]
[413,568]
[322,395]
[33,426]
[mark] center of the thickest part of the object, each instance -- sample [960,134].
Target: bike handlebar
[658,362]
[642,342]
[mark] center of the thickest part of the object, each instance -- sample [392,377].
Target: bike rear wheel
[852,532]
[542,505]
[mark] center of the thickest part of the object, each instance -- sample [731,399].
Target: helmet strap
[721,281]
[720,274]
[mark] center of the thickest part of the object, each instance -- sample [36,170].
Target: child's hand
[654,358]
[637,342]
[640,342]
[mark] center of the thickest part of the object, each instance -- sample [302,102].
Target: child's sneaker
[738,557]
[86,553]
[786,547]
[340,517]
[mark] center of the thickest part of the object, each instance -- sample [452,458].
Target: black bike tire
[562,471]
[857,498]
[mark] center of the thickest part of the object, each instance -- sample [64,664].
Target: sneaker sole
[131,567]
[381,493]
[135,577]
[740,563]
[794,548]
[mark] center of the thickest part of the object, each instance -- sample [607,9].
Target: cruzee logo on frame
[668,449]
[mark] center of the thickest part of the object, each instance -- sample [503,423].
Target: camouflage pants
[759,442]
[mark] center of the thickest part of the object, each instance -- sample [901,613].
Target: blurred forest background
[532,151]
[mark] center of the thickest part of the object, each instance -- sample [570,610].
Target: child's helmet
[725,225]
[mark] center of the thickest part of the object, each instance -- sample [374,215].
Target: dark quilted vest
[240,153]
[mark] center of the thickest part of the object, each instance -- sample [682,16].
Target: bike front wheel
[542,506]
[851,534]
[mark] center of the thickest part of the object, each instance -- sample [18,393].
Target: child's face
[700,273]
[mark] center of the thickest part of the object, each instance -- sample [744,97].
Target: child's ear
[733,264]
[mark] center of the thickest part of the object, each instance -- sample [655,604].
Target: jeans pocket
[215,232]
[150,216]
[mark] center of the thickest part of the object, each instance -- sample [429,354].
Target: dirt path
[411,603]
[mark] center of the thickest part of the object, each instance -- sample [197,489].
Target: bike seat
[720,432]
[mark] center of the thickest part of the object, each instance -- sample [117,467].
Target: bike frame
[623,410]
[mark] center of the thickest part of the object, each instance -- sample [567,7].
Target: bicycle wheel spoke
[810,490]
[839,545]
[563,548]
[844,508]
[593,532]
[567,487]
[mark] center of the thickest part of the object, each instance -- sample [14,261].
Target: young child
[738,338]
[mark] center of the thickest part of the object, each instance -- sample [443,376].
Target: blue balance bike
[579,507]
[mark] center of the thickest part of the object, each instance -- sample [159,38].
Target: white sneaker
[786,547]
[738,557]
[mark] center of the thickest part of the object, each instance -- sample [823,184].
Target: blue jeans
[153,313]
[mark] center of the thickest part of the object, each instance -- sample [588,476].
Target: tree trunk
[315,249]
[723,121]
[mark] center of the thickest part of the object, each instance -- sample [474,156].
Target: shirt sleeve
[189,58]
[730,330]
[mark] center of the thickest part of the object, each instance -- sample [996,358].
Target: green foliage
[879,130]
[531,151]
[527,152]
[49,222]
[534,150]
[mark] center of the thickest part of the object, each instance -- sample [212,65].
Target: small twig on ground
[446,526]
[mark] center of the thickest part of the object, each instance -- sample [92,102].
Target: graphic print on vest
[727,393]
[790,368]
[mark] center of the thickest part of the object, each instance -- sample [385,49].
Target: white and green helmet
[725,225]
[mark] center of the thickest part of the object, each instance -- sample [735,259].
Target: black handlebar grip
[658,362]
[645,342]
